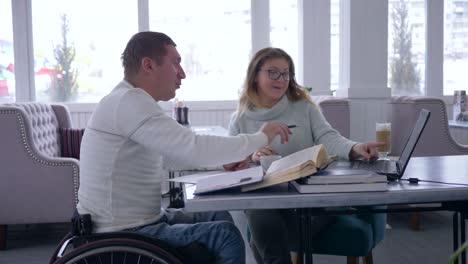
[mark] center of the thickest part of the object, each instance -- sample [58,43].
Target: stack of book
[341,180]
[295,169]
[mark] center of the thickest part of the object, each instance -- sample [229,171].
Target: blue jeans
[215,230]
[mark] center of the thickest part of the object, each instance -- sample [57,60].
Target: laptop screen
[413,140]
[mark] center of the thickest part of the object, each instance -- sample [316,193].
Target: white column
[260,23]
[434,47]
[363,49]
[143,15]
[314,45]
[23,50]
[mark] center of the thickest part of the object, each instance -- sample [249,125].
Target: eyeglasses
[275,75]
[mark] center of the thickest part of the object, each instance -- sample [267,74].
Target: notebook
[394,169]
[228,180]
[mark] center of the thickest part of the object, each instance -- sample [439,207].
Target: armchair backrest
[336,111]
[43,123]
[435,140]
[36,184]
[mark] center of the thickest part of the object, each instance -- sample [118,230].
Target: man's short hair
[144,44]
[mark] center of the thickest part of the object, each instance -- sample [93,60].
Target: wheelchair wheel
[118,251]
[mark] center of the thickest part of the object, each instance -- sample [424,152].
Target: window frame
[313,56]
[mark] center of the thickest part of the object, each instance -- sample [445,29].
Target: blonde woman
[270,92]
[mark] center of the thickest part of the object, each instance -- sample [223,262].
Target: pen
[292,126]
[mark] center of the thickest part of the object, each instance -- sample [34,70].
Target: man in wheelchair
[81,245]
[129,139]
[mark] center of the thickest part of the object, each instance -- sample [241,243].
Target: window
[7,76]
[284,27]
[77,47]
[455,46]
[335,44]
[213,38]
[406,47]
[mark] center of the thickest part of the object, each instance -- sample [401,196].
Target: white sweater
[125,141]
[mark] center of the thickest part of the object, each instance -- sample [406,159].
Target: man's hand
[366,151]
[274,128]
[239,165]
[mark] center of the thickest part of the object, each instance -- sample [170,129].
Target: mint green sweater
[312,128]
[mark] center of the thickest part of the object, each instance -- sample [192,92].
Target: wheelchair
[81,246]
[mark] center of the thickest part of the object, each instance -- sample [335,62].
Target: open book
[297,165]
[294,166]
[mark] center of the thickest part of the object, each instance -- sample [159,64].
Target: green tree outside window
[63,86]
[404,75]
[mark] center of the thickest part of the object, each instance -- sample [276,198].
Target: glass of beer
[383,133]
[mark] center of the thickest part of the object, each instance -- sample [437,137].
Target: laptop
[394,169]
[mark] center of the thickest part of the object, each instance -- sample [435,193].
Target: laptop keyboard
[378,165]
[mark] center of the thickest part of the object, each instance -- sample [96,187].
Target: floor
[33,244]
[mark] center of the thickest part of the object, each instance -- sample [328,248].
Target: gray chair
[36,184]
[435,140]
[336,111]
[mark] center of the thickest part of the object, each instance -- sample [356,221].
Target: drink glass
[383,133]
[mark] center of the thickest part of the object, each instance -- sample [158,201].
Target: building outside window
[7,75]
[77,47]
[455,46]
[406,47]
[213,38]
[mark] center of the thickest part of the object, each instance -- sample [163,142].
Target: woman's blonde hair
[249,96]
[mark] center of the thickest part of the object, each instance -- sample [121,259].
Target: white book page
[292,160]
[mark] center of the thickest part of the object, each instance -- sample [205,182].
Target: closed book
[336,176]
[337,188]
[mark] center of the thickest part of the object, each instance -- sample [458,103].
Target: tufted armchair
[436,139]
[37,185]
